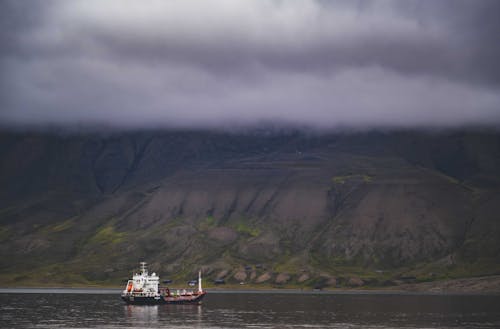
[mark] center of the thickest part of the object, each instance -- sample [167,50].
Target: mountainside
[284,208]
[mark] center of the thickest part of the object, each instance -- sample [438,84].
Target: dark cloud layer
[223,62]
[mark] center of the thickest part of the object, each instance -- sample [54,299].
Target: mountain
[273,207]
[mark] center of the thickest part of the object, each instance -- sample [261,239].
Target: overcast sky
[224,62]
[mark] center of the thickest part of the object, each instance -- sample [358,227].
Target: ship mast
[199,282]
[144,269]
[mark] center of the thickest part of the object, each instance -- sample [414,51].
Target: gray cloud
[211,63]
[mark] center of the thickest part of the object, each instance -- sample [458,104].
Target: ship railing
[140,294]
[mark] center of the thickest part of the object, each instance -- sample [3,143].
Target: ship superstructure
[143,284]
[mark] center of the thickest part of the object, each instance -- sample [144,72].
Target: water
[69,308]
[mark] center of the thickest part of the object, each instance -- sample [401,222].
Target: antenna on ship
[199,282]
[144,269]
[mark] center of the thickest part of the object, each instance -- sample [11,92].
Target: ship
[144,289]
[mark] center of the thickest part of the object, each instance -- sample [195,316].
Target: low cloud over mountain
[213,63]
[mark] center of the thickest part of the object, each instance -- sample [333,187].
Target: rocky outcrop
[282,278]
[332,282]
[355,282]
[240,276]
[303,277]
[222,274]
[263,277]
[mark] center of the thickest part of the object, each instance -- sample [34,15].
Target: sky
[222,63]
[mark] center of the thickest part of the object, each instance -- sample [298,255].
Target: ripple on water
[220,311]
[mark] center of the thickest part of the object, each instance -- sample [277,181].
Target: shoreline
[486,285]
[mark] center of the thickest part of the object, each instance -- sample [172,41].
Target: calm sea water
[69,308]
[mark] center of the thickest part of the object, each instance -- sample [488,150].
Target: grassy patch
[4,232]
[340,179]
[290,265]
[64,225]
[60,227]
[173,223]
[107,235]
[208,223]
[244,228]
[210,220]
[448,178]
[344,178]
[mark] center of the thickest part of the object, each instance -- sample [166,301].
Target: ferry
[144,289]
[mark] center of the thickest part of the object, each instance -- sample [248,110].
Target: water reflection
[139,314]
[252,311]
[153,315]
